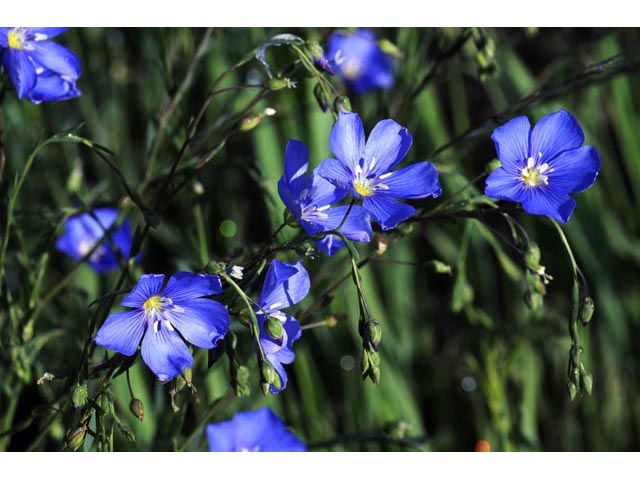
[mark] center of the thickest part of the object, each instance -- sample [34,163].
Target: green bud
[137,408]
[76,437]
[79,395]
[374,333]
[276,84]
[572,389]
[439,267]
[274,328]
[587,308]
[314,49]
[242,374]
[342,104]
[321,97]
[375,374]
[492,165]
[389,48]
[290,219]
[249,123]
[532,257]
[586,382]
[74,182]
[267,372]
[533,299]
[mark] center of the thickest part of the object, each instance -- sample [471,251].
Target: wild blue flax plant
[170,314]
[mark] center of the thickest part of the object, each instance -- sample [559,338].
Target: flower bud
[572,389]
[587,308]
[290,219]
[321,97]
[276,84]
[492,165]
[274,328]
[79,395]
[533,299]
[532,257]
[137,408]
[389,48]
[374,333]
[439,267]
[586,382]
[342,104]
[76,437]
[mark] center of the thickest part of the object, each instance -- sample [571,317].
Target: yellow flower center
[15,39]
[533,175]
[153,303]
[362,188]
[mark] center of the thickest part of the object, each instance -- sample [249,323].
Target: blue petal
[505,186]
[337,173]
[202,322]
[386,211]
[122,332]
[4,41]
[259,430]
[575,170]
[21,71]
[356,227]
[285,285]
[554,134]
[165,353]
[347,139]
[51,87]
[187,285]
[512,143]
[296,162]
[56,58]
[415,181]
[322,192]
[388,143]
[280,371]
[44,33]
[148,286]
[291,201]
[330,244]
[548,201]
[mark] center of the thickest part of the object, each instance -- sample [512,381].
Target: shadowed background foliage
[463,357]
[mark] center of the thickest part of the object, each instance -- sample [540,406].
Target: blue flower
[359,60]
[364,171]
[309,201]
[255,431]
[83,231]
[284,286]
[540,168]
[40,70]
[164,317]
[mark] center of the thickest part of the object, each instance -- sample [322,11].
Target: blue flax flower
[164,317]
[83,231]
[254,431]
[309,201]
[365,170]
[359,61]
[540,168]
[284,286]
[39,69]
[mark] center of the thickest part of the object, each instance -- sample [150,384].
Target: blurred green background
[455,368]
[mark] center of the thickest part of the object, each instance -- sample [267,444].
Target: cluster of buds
[537,277]
[371,334]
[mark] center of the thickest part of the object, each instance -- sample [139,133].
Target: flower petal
[291,201]
[21,71]
[202,322]
[356,227]
[512,143]
[330,244]
[415,181]
[44,33]
[388,143]
[322,191]
[386,211]
[51,87]
[122,332]
[505,186]
[285,285]
[148,286]
[280,371]
[186,285]
[550,202]
[347,139]
[165,353]
[337,173]
[296,163]
[575,170]
[555,133]
[57,58]
[4,40]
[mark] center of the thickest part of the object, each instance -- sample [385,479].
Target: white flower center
[365,182]
[535,173]
[85,247]
[158,310]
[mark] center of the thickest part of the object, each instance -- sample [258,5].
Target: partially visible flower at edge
[254,431]
[541,167]
[364,170]
[84,230]
[359,60]
[284,286]
[39,69]
[309,201]
[164,317]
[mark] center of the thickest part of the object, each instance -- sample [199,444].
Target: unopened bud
[321,97]
[76,437]
[573,390]
[389,48]
[532,257]
[492,165]
[374,333]
[198,188]
[440,267]
[79,395]
[137,408]
[267,373]
[586,310]
[290,219]
[274,328]
[586,381]
[74,182]
[278,84]
[331,321]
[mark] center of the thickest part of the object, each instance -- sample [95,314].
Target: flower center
[16,39]
[533,175]
[86,246]
[367,183]
[157,310]
[351,70]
